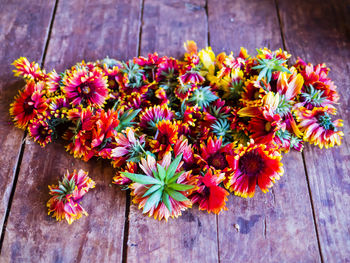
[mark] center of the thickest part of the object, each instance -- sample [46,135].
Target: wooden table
[306,216]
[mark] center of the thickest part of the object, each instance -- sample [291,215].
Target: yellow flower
[230,80]
[207,57]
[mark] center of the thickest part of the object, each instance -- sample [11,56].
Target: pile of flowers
[181,132]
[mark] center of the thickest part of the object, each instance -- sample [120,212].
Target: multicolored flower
[66,197]
[165,137]
[152,115]
[30,71]
[264,123]
[53,82]
[28,104]
[128,147]
[318,127]
[171,127]
[40,131]
[161,191]
[167,70]
[120,178]
[212,153]
[87,87]
[251,165]
[59,106]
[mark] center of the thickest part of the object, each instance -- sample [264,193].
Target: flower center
[325,121]
[206,192]
[86,89]
[111,83]
[256,95]
[42,131]
[28,106]
[268,126]
[251,163]
[218,161]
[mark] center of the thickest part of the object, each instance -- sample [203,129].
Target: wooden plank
[23,27]
[166,26]
[82,30]
[277,226]
[323,36]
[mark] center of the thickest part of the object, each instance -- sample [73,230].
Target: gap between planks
[216,216]
[302,153]
[128,197]
[22,146]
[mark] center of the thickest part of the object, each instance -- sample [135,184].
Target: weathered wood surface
[17,21]
[82,29]
[193,236]
[303,219]
[318,31]
[273,227]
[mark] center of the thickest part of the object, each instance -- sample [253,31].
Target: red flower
[182,147]
[167,70]
[212,153]
[28,104]
[95,133]
[40,131]
[166,136]
[210,196]
[264,123]
[84,86]
[253,165]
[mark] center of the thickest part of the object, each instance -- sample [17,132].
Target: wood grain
[23,27]
[89,30]
[168,24]
[193,236]
[274,227]
[277,226]
[323,36]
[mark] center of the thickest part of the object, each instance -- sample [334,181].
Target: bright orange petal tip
[190,46]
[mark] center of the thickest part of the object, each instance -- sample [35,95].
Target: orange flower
[166,136]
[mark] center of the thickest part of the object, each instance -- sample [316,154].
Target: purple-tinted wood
[23,30]
[318,31]
[277,226]
[82,30]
